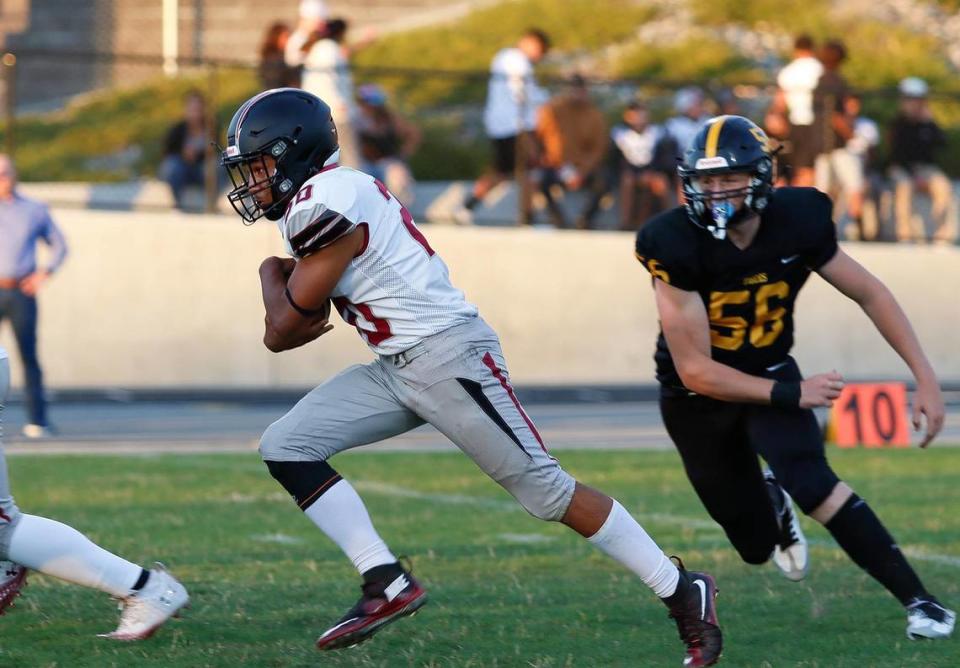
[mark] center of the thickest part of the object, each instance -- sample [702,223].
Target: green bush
[447,153]
[58,147]
[791,16]
[881,54]
[468,45]
[696,59]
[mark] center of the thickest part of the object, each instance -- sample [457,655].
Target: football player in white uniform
[352,242]
[148,597]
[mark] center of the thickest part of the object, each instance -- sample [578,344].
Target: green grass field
[506,590]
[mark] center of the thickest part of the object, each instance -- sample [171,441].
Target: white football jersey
[396,291]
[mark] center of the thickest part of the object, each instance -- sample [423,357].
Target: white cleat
[929,619]
[790,554]
[145,611]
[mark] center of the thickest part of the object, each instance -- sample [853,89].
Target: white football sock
[56,549]
[340,514]
[623,539]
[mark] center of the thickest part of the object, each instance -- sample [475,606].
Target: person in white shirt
[313,20]
[30,542]
[510,115]
[326,74]
[794,103]
[351,241]
[645,156]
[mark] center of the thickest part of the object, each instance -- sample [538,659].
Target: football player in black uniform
[727,267]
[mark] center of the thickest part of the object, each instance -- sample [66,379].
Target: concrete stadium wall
[167,300]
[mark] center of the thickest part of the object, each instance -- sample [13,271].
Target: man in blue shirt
[23,222]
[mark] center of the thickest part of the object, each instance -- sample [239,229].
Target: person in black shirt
[185,148]
[727,267]
[915,139]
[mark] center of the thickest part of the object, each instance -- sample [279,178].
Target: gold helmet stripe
[713,137]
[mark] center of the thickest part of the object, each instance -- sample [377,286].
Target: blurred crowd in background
[553,143]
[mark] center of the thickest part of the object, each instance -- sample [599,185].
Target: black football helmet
[726,145]
[292,127]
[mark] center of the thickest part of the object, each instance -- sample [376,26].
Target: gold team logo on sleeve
[654,267]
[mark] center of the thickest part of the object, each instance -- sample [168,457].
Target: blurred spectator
[23,222]
[274,72]
[185,148]
[914,141]
[792,113]
[689,116]
[645,155]
[510,116]
[856,170]
[326,74]
[387,140]
[312,21]
[727,103]
[833,169]
[573,135]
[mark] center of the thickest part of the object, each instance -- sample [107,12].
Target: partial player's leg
[711,439]
[149,598]
[351,409]
[461,386]
[791,442]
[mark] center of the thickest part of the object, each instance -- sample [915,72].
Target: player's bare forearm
[687,331]
[686,328]
[284,328]
[876,300]
[719,381]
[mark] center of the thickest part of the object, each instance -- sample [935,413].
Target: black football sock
[383,573]
[142,580]
[861,535]
[680,593]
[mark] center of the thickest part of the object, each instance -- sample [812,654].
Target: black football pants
[719,443]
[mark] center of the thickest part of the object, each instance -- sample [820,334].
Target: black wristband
[785,394]
[305,312]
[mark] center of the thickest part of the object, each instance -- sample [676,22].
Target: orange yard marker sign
[871,414]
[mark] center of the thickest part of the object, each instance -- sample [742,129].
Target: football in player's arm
[727,267]
[296,294]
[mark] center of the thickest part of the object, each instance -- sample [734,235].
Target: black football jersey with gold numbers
[749,294]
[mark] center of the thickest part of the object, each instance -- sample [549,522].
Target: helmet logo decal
[712,163]
[761,137]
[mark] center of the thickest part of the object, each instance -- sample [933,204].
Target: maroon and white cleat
[13,578]
[696,618]
[384,601]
